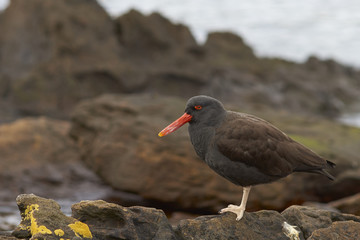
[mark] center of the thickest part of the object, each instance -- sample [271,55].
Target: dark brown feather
[259,144]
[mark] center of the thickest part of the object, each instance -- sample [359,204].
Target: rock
[116,135]
[50,60]
[42,219]
[347,183]
[112,221]
[346,230]
[39,140]
[6,236]
[59,55]
[269,225]
[228,50]
[310,219]
[121,131]
[38,156]
[260,225]
[166,53]
[152,35]
[349,205]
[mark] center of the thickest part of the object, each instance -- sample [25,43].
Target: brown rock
[153,34]
[42,219]
[38,156]
[117,136]
[52,55]
[39,140]
[55,54]
[260,225]
[347,183]
[310,219]
[306,221]
[349,205]
[346,230]
[165,52]
[226,49]
[6,236]
[112,221]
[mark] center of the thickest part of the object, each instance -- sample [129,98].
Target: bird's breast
[201,137]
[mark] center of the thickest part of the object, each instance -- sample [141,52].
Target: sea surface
[283,28]
[352,119]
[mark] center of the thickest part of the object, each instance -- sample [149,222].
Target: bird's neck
[200,139]
[202,135]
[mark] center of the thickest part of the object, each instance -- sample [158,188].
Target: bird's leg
[238,210]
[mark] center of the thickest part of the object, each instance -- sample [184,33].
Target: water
[351,119]
[283,28]
[9,216]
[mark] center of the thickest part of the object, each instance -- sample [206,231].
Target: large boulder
[259,225]
[152,36]
[309,219]
[57,52]
[38,156]
[349,205]
[345,230]
[112,221]
[165,52]
[117,137]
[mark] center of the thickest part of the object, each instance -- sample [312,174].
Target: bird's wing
[257,143]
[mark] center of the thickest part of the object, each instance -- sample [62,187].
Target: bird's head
[199,110]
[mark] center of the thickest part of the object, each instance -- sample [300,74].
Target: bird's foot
[238,210]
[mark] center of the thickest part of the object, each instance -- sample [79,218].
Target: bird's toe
[238,210]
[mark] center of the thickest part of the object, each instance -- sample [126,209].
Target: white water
[351,119]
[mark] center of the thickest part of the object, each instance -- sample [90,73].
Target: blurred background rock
[84,94]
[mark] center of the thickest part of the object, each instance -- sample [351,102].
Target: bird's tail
[321,170]
[324,172]
[330,164]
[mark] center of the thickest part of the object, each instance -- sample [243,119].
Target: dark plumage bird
[244,149]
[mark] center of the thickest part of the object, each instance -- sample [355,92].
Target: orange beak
[175,125]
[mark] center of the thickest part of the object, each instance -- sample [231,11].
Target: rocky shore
[50,60]
[82,97]
[42,219]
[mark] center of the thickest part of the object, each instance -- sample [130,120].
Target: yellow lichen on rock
[59,232]
[29,211]
[80,228]
[29,215]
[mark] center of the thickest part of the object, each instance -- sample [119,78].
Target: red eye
[198,107]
